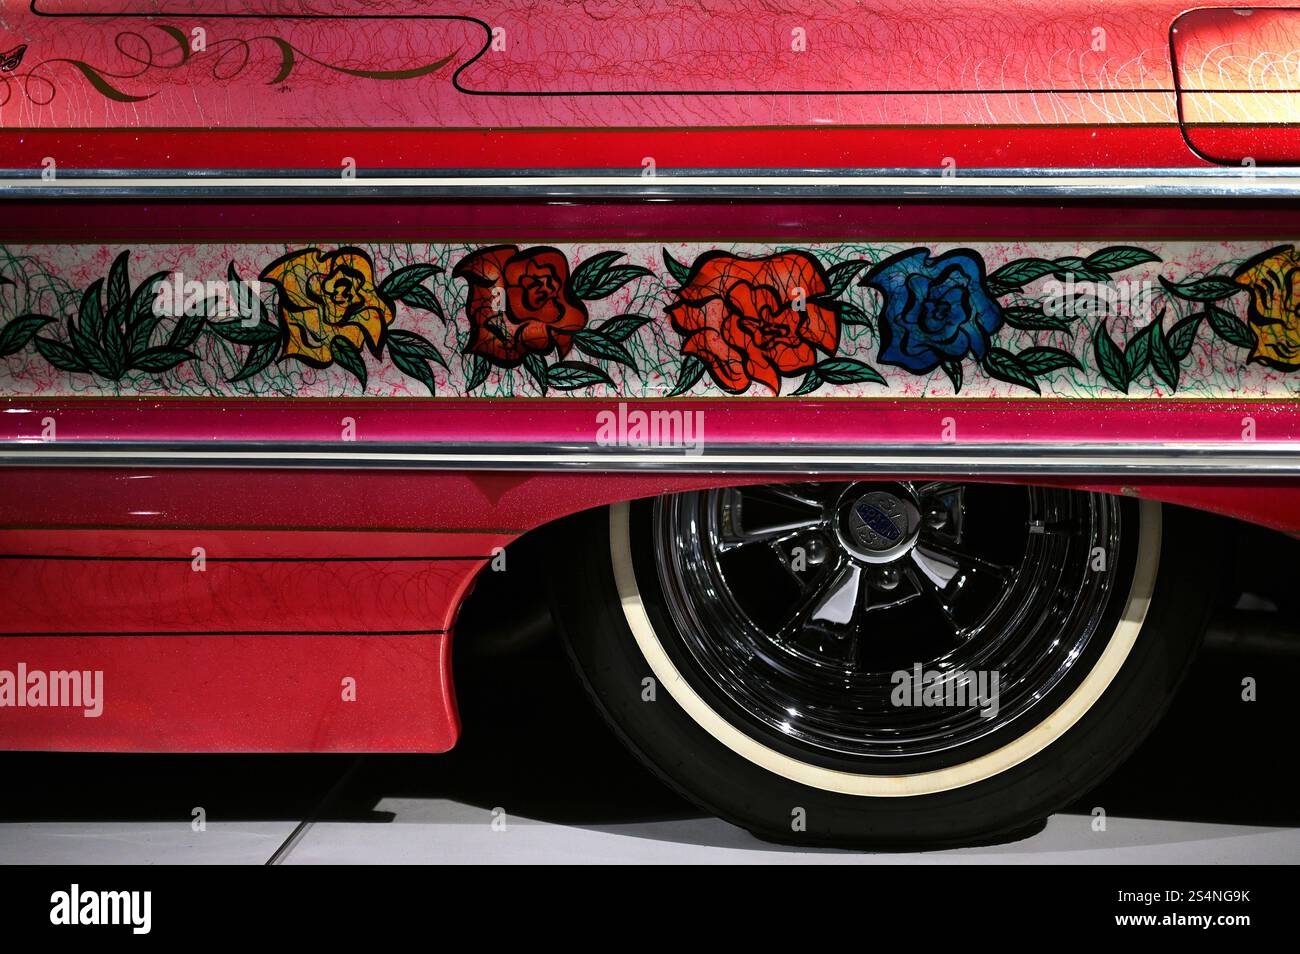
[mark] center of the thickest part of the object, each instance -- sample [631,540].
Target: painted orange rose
[520,303]
[1274,312]
[755,319]
[324,295]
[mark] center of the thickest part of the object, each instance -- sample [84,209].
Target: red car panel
[900,84]
[341,518]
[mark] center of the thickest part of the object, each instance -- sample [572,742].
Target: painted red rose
[755,319]
[520,303]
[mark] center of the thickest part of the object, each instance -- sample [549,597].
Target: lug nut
[886,578]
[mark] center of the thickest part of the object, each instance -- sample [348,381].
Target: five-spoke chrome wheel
[799,606]
[747,643]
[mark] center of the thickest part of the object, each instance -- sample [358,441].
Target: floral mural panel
[643,320]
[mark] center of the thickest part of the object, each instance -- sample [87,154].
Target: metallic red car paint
[302,588]
[1226,66]
[1140,146]
[125,582]
[900,85]
[274,689]
[237,639]
[213,690]
[221,693]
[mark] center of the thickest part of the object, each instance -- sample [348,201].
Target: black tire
[689,758]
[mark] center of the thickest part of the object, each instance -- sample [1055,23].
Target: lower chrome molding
[1245,459]
[773,184]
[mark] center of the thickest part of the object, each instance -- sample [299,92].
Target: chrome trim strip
[677,172]
[1220,460]
[773,184]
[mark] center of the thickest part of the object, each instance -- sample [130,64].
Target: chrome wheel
[796,607]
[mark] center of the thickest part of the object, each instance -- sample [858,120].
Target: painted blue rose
[936,309]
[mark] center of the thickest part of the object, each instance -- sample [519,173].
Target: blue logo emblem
[878,520]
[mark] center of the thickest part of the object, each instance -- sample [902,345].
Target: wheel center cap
[880,525]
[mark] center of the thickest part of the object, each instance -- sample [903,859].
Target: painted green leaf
[478,372]
[1202,289]
[1072,267]
[622,327]
[851,314]
[60,355]
[847,371]
[17,333]
[1040,361]
[692,370]
[595,345]
[402,281]
[161,359]
[239,333]
[186,331]
[535,365]
[143,316]
[247,304]
[90,314]
[1034,318]
[1005,366]
[90,351]
[1137,354]
[1110,360]
[1183,335]
[258,358]
[114,349]
[841,276]
[409,343]
[588,273]
[953,370]
[1116,258]
[681,273]
[1163,361]
[572,375]
[598,277]
[424,299]
[811,382]
[616,278]
[119,290]
[1019,273]
[414,366]
[348,357]
[1230,328]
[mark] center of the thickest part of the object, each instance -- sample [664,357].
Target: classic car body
[309,310]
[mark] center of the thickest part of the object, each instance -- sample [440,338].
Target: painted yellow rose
[324,295]
[1274,282]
